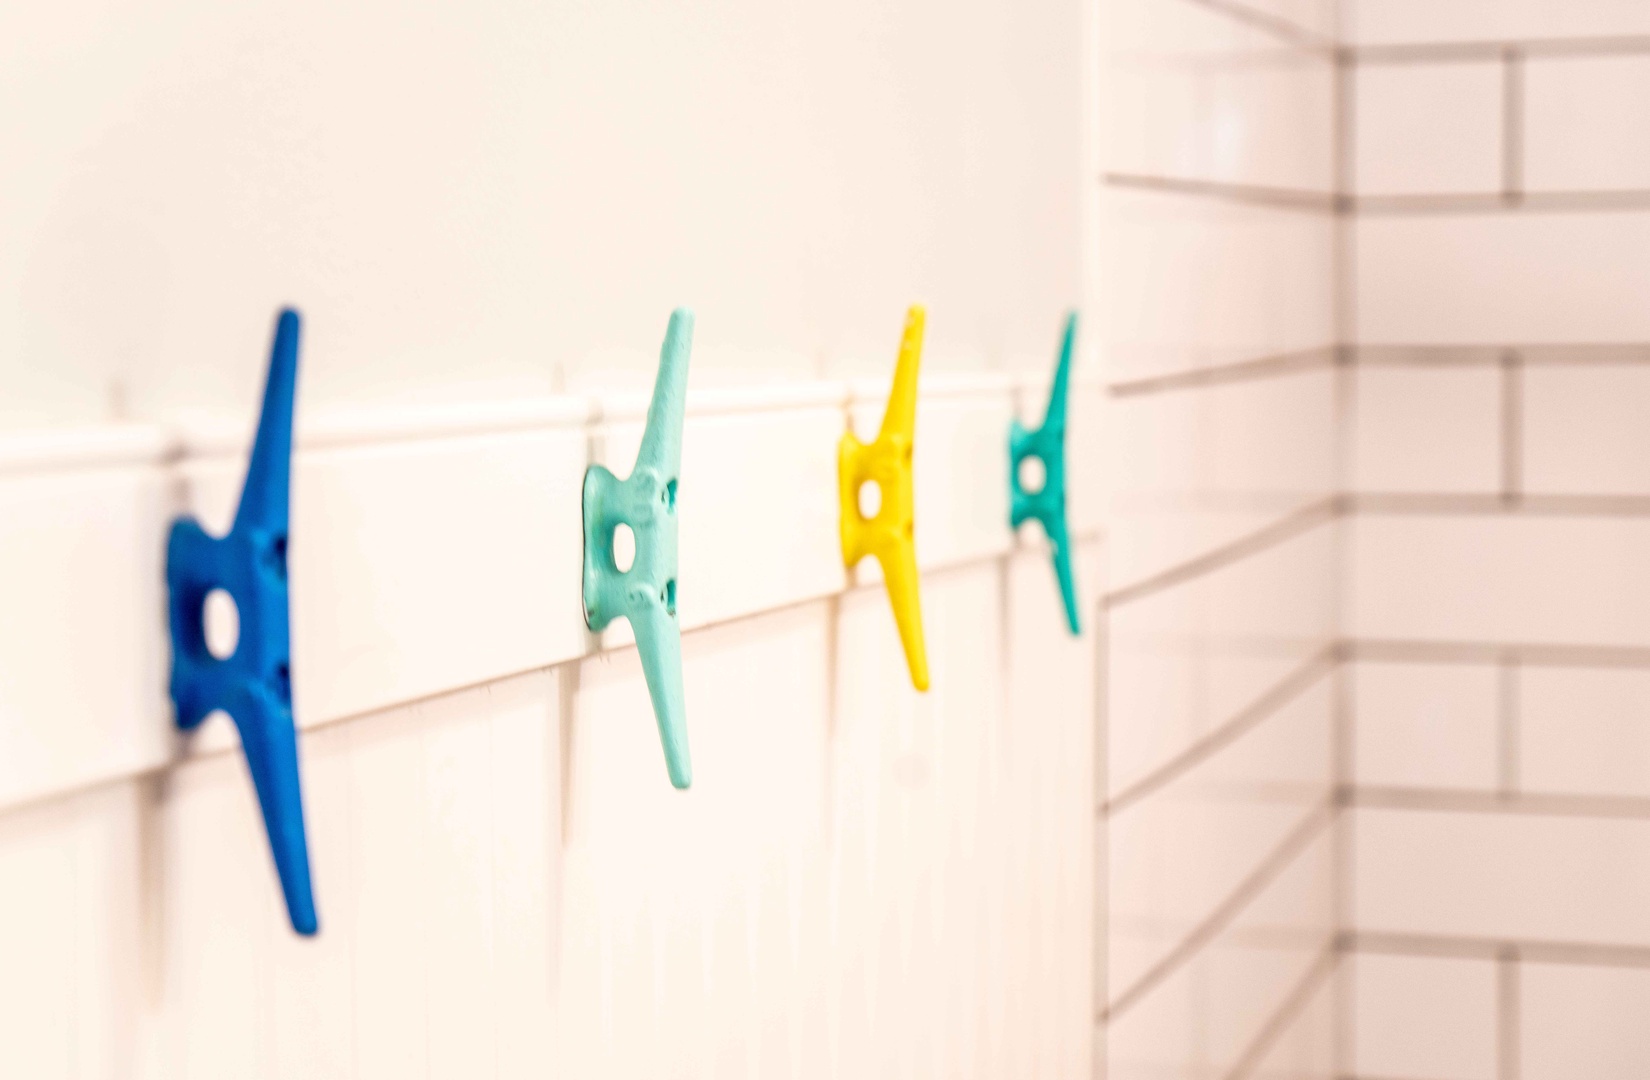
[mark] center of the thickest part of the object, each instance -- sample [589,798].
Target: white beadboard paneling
[1214,98]
[1583,428]
[821,940]
[1373,22]
[1496,875]
[1583,129]
[1186,659]
[1428,128]
[1564,580]
[1582,1021]
[909,824]
[1181,852]
[1427,429]
[1045,752]
[1526,277]
[1428,1017]
[83,626]
[1188,282]
[432,841]
[662,924]
[1584,731]
[72,979]
[1426,725]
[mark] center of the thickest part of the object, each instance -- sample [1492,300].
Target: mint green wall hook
[646,502]
[1048,503]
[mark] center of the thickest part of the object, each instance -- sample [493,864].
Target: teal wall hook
[1047,504]
[253,684]
[645,502]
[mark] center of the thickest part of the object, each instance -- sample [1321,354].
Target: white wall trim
[436,548]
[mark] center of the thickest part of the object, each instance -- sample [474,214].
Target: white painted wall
[483,200]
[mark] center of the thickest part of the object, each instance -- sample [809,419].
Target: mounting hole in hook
[1033,474]
[669,496]
[624,548]
[669,596]
[221,624]
[870,499]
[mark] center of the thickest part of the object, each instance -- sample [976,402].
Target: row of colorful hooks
[254,683]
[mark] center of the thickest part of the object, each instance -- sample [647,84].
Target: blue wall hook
[646,503]
[1048,503]
[254,685]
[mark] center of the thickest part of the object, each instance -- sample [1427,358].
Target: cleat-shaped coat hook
[890,534]
[646,503]
[1048,503]
[254,684]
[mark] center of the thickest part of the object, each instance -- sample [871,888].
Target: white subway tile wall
[1497,623]
[1188,283]
[1425,22]
[1583,1021]
[1428,128]
[1434,428]
[1583,431]
[1213,98]
[1427,725]
[1585,126]
[1524,276]
[1216,276]
[1425,1017]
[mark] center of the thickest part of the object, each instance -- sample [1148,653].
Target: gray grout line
[1100,978]
[1526,653]
[1444,52]
[1342,204]
[1575,354]
[1261,367]
[1512,427]
[1296,199]
[1508,1009]
[1520,803]
[1294,1003]
[1264,873]
[1459,947]
[1285,528]
[1512,125]
[1508,770]
[1267,705]
[1498,503]
[1283,29]
[1498,202]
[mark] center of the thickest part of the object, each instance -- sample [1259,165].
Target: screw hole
[624,548]
[221,624]
[1033,474]
[870,499]
[669,596]
[670,496]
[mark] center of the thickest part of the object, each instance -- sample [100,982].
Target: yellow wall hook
[890,534]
